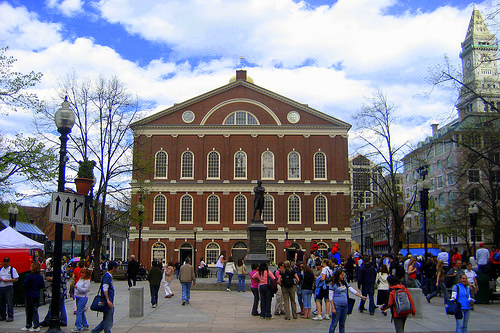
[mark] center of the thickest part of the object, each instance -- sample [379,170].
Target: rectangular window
[440,181]
[449,177]
[473,176]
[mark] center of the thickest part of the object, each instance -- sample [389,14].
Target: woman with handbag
[339,300]
[412,274]
[382,286]
[262,276]
[461,294]
[168,276]
[307,290]
[82,288]
[242,273]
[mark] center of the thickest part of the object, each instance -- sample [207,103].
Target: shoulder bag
[99,304]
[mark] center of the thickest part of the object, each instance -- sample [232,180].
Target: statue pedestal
[257,240]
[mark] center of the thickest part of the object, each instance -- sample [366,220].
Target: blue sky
[328,54]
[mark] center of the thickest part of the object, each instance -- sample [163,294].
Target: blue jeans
[368,290]
[462,323]
[64,317]
[81,320]
[106,323]
[299,297]
[186,291]
[255,292]
[241,282]
[154,293]
[306,298]
[220,274]
[230,278]
[339,318]
[32,304]
[265,301]
[442,287]
[7,298]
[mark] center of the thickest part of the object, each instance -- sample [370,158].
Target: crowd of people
[296,285]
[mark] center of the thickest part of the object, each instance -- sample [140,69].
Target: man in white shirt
[445,257]
[482,257]
[8,275]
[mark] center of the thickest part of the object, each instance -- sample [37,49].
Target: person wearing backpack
[495,263]
[287,280]
[462,294]
[400,302]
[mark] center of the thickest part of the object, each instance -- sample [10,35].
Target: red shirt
[77,273]
[454,259]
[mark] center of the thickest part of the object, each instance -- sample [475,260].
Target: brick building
[196,165]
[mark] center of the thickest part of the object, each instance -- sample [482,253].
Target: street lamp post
[408,241]
[88,204]
[72,238]
[140,209]
[423,187]
[361,218]
[13,211]
[473,210]
[194,252]
[65,119]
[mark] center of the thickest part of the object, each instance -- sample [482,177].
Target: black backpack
[400,271]
[287,279]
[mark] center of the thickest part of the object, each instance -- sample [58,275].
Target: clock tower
[479,68]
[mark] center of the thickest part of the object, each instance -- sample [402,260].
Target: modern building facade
[196,165]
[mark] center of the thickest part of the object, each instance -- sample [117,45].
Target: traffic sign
[288,243]
[83,229]
[67,208]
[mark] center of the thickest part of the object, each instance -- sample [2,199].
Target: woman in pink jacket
[261,276]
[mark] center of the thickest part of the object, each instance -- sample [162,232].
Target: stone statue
[258,201]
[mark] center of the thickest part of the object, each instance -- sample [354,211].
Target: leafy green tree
[14,85]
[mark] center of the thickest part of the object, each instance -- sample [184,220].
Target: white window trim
[154,209]
[326,207]
[245,165]
[246,210]
[288,166]
[208,165]
[274,249]
[288,211]
[218,210]
[192,210]
[182,165]
[274,207]
[166,164]
[262,166]
[314,166]
[165,251]
[206,256]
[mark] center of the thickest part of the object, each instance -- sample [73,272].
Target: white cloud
[20,29]
[66,7]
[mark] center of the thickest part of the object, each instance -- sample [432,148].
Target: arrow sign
[67,208]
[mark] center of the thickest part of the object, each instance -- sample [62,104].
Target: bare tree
[104,111]
[375,121]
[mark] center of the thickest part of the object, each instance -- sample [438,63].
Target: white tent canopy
[11,239]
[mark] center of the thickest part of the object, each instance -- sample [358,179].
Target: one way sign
[67,208]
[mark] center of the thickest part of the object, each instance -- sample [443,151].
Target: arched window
[161,164]
[319,165]
[240,165]
[213,209]
[240,209]
[294,209]
[187,165]
[267,165]
[159,252]
[323,249]
[241,118]
[186,209]
[213,165]
[271,251]
[212,252]
[268,211]
[160,209]
[320,209]
[293,165]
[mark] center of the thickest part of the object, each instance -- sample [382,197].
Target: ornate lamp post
[65,119]
[72,238]
[408,241]
[140,209]
[423,187]
[13,211]
[473,210]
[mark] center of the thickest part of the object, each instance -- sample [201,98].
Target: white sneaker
[25,329]
[228,289]
[317,318]
[327,317]
[35,329]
